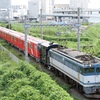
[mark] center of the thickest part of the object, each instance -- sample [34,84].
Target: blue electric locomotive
[82,68]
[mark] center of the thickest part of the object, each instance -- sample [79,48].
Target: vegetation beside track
[67,36]
[90,41]
[24,82]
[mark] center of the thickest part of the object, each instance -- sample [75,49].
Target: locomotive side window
[51,54]
[71,65]
[98,70]
[57,57]
[81,70]
[66,63]
[75,67]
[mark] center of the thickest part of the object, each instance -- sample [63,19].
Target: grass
[24,82]
[67,36]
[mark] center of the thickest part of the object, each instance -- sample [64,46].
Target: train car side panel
[33,50]
[59,62]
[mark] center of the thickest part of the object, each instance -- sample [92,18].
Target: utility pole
[78,28]
[9,18]
[41,29]
[26,26]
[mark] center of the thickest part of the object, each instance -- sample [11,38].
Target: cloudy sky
[92,3]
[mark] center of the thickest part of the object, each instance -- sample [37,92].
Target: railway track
[80,96]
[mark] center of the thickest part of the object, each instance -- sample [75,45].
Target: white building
[47,6]
[4,9]
[79,3]
[18,11]
[5,4]
[34,7]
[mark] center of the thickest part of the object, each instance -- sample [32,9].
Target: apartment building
[34,7]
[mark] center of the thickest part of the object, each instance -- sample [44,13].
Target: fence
[13,57]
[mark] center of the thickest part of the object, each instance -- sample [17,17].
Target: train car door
[31,48]
[78,73]
[97,75]
[35,51]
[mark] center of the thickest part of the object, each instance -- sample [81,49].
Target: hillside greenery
[67,36]
[24,82]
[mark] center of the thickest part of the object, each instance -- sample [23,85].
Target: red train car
[18,40]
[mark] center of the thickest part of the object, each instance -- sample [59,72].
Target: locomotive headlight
[88,81]
[90,65]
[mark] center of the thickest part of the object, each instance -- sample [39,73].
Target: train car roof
[21,35]
[78,56]
[41,41]
[12,32]
[47,43]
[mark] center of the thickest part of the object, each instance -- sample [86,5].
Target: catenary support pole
[26,44]
[41,28]
[78,29]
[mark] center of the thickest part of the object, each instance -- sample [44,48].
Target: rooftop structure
[78,3]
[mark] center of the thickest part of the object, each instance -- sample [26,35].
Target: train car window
[39,47]
[70,65]
[81,70]
[5,34]
[11,37]
[98,70]
[57,57]
[14,38]
[30,46]
[75,67]
[66,62]
[51,54]
[35,47]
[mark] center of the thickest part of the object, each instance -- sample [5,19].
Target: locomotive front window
[89,70]
[98,69]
